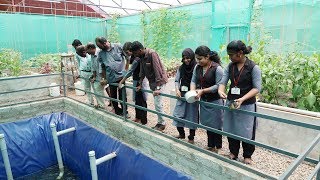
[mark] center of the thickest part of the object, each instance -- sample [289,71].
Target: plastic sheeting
[30,148]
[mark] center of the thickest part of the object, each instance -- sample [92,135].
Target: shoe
[180,137]
[161,127]
[137,121]
[210,149]
[144,122]
[191,141]
[156,126]
[98,106]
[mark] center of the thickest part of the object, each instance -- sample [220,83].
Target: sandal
[247,161]
[232,156]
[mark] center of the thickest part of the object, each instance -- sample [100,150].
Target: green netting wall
[290,25]
[286,25]
[39,34]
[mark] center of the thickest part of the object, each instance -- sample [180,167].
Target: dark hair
[205,51]
[127,46]
[76,43]
[136,45]
[90,46]
[238,45]
[101,40]
[80,49]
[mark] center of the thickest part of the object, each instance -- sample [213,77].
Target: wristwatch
[158,88]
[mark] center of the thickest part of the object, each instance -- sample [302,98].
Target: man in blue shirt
[113,62]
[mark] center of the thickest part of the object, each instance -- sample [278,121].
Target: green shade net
[39,34]
[289,25]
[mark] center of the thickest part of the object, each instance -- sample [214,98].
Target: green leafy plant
[36,63]
[113,35]
[10,62]
[291,79]
[164,30]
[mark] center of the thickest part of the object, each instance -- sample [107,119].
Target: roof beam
[120,6]
[155,2]
[146,4]
[179,2]
[98,8]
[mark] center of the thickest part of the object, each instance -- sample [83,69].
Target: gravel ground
[267,161]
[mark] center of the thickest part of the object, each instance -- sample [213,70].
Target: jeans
[158,103]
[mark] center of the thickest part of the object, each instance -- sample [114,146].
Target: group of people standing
[110,65]
[201,71]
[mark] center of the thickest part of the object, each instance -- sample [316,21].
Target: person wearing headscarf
[184,110]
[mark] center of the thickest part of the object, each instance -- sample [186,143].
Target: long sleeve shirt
[152,68]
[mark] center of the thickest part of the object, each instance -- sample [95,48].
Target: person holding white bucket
[84,62]
[184,110]
[206,77]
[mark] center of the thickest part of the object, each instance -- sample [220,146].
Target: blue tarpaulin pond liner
[31,149]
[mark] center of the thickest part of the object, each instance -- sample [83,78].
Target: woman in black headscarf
[183,109]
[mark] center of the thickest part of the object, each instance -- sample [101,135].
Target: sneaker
[191,141]
[156,126]
[180,136]
[161,127]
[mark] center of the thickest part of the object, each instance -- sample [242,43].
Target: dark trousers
[140,101]
[234,146]
[192,133]
[214,140]
[114,92]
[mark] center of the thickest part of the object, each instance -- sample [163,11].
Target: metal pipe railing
[5,157]
[300,158]
[55,135]
[314,172]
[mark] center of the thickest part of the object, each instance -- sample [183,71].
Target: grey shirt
[114,61]
[256,77]
[219,74]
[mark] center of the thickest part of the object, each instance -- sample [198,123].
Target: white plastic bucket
[54,91]
[79,85]
[191,96]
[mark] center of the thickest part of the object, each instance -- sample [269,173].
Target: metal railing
[299,157]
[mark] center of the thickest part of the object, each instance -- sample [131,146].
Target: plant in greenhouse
[113,35]
[10,62]
[164,30]
[38,62]
[290,80]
